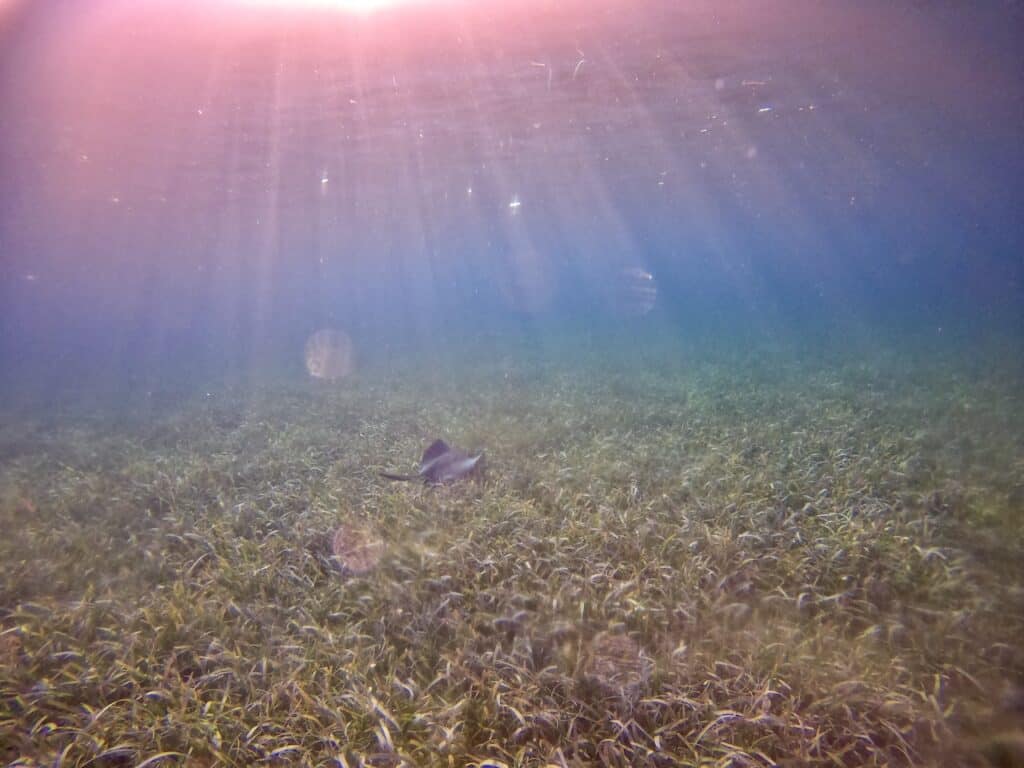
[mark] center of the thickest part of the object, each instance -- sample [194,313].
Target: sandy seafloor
[680,556]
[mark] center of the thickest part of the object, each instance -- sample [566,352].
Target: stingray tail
[390,476]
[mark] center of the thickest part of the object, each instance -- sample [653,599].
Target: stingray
[443,464]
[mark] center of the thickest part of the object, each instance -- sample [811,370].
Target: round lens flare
[357,550]
[617,661]
[329,354]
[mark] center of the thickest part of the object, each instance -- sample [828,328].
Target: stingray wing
[451,467]
[443,464]
[434,451]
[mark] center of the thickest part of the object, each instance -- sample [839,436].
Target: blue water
[728,293]
[189,190]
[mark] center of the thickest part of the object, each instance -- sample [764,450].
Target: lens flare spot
[329,354]
[618,662]
[636,292]
[356,550]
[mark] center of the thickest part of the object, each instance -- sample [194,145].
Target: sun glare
[350,6]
